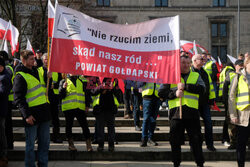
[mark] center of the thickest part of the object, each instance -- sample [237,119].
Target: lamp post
[238,29]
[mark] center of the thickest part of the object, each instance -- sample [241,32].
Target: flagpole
[47,89]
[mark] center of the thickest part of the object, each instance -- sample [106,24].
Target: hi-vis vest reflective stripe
[208,67]
[11,95]
[189,99]
[41,71]
[75,97]
[242,99]
[54,81]
[148,89]
[223,78]
[211,88]
[35,92]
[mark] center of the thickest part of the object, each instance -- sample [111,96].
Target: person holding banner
[189,90]
[239,110]
[206,101]
[151,105]
[75,103]
[105,106]
[29,96]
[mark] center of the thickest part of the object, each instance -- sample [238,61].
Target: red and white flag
[10,33]
[51,17]
[231,58]
[188,47]
[29,47]
[147,51]
[3,27]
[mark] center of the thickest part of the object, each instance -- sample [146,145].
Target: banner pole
[47,89]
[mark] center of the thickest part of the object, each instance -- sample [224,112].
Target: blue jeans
[42,133]
[150,112]
[206,116]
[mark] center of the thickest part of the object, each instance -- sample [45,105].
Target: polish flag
[3,27]
[51,17]
[29,47]
[10,33]
[188,47]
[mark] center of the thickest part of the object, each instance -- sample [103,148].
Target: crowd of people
[40,95]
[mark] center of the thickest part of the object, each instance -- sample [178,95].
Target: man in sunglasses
[206,101]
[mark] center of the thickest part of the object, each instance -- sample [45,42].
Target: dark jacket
[214,72]
[62,91]
[41,113]
[187,113]
[204,76]
[107,103]
[5,87]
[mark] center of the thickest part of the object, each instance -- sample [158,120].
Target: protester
[239,110]
[29,96]
[38,59]
[75,103]
[53,95]
[5,87]
[151,105]
[189,90]
[8,119]
[212,70]
[229,130]
[105,106]
[206,101]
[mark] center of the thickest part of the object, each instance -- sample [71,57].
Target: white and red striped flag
[144,51]
[51,17]
[188,47]
[10,33]
[29,47]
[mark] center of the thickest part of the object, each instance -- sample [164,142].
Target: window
[219,29]
[221,52]
[103,2]
[219,3]
[161,3]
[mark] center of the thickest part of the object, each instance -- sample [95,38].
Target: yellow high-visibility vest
[35,91]
[222,78]
[208,67]
[189,99]
[75,96]
[243,96]
[148,89]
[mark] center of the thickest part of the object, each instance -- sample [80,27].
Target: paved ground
[128,164]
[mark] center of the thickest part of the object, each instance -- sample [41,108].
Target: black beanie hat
[2,62]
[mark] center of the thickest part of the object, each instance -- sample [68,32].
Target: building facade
[212,23]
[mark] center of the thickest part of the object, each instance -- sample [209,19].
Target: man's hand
[179,93]
[49,74]
[65,84]
[30,120]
